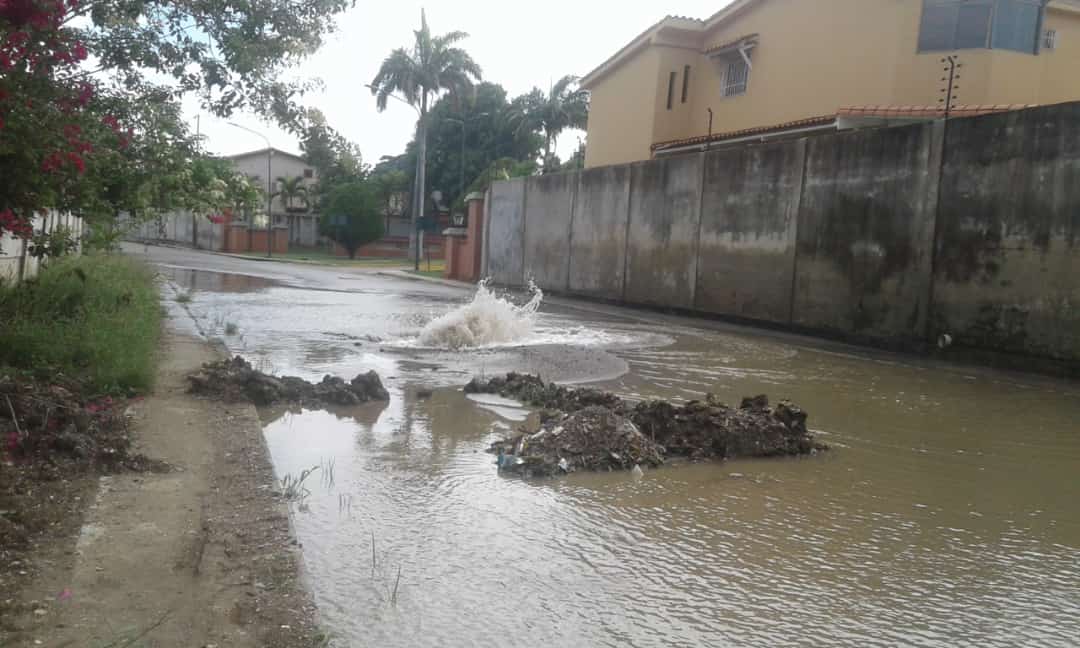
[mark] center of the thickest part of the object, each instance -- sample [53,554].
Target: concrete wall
[548,214]
[16,264]
[1007,274]
[866,224]
[505,233]
[749,213]
[179,227]
[598,235]
[661,250]
[832,234]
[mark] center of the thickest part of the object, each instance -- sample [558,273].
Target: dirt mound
[236,380]
[710,429]
[531,390]
[593,430]
[593,438]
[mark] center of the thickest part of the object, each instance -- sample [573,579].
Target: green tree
[335,158]
[232,52]
[433,66]
[291,191]
[566,105]
[484,119]
[351,217]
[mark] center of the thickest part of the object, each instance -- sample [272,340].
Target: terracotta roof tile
[760,130]
[963,110]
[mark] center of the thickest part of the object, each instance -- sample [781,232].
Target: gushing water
[484,321]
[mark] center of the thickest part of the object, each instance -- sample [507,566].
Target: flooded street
[945,515]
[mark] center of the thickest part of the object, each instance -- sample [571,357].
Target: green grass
[428,273]
[324,258]
[95,317]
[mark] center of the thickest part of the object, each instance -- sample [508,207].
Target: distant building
[302,221]
[775,68]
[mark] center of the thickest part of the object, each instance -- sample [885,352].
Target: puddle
[947,514]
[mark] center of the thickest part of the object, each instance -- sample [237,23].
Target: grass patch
[428,273]
[94,317]
[231,329]
[183,298]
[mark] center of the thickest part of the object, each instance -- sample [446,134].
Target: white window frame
[730,89]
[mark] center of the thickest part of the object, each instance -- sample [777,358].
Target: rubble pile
[710,429]
[236,380]
[593,438]
[587,429]
[531,390]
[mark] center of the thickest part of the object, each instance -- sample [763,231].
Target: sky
[516,47]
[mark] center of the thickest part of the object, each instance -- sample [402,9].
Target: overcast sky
[517,45]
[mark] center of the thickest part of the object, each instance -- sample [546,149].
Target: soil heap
[236,380]
[593,430]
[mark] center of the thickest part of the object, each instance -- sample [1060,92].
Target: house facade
[761,68]
[300,221]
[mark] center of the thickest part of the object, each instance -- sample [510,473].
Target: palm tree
[432,66]
[566,105]
[292,189]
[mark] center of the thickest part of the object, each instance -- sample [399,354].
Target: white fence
[16,263]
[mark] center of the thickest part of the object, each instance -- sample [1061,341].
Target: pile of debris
[531,390]
[236,380]
[593,438]
[594,430]
[710,429]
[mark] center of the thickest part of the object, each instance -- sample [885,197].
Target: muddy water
[947,514]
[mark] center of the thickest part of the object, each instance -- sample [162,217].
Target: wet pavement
[946,514]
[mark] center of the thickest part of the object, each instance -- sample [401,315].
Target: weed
[327,468]
[231,329]
[292,486]
[183,298]
[96,317]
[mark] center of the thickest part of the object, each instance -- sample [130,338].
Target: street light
[269,189]
[418,186]
[462,123]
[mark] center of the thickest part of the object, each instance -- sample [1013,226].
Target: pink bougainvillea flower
[76,160]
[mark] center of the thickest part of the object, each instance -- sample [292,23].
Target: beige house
[302,223]
[760,69]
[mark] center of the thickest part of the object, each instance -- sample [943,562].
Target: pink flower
[77,161]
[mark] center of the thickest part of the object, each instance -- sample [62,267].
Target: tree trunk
[547,152]
[421,168]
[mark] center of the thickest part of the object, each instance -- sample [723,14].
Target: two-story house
[297,214]
[772,68]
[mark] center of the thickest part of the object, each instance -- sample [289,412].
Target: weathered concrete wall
[866,224]
[505,233]
[548,213]
[1007,274]
[598,236]
[834,233]
[665,206]
[179,227]
[749,217]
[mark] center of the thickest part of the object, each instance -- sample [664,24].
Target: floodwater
[946,514]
